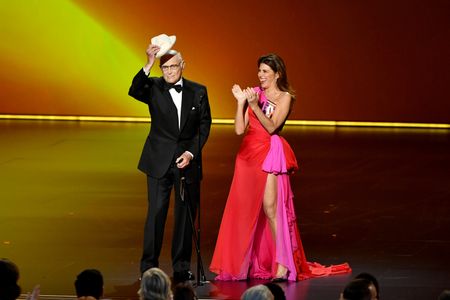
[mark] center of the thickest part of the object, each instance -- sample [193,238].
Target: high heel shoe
[279,279]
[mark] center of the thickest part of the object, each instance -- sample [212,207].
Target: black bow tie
[177,87]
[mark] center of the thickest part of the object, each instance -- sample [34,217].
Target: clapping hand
[251,96]
[238,94]
[34,295]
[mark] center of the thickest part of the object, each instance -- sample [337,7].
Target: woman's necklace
[273,96]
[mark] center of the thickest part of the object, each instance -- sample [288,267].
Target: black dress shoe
[183,276]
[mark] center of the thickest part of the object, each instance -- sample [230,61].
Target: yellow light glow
[231,121]
[71,62]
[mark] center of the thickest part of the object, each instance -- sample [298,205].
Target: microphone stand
[201,278]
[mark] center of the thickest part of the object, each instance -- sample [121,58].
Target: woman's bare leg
[270,209]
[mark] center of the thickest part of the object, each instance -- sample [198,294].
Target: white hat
[165,42]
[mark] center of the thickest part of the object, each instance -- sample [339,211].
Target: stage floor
[379,199]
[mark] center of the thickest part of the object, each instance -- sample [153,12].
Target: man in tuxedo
[180,125]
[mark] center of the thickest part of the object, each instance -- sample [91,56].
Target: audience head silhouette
[89,284]
[155,285]
[276,290]
[374,287]
[357,289]
[9,274]
[445,295]
[257,292]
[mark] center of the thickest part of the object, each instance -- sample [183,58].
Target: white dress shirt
[176,97]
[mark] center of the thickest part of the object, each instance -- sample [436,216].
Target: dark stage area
[379,199]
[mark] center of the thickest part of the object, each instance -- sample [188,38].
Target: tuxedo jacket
[166,141]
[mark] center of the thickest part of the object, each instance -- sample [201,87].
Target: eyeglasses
[171,67]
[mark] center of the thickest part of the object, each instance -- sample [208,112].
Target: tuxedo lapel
[168,105]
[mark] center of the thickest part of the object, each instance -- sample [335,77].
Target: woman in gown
[258,236]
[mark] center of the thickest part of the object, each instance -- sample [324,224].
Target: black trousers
[159,190]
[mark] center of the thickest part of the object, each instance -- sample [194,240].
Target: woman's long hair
[276,63]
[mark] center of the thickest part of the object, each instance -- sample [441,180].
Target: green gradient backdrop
[347,60]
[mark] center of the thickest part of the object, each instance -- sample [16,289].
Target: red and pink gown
[245,246]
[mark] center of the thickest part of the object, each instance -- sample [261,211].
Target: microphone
[182,184]
[199,107]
